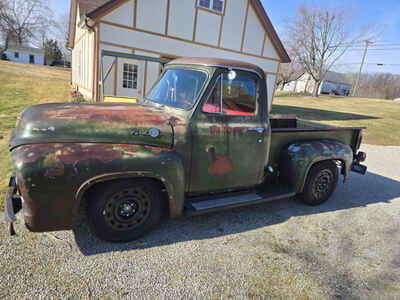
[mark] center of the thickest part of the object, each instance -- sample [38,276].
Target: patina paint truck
[202,141]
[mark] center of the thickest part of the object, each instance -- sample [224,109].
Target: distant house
[333,84]
[164,29]
[25,54]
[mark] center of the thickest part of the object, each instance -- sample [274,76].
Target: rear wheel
[321,183]
[123,211]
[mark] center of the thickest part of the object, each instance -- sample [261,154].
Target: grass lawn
[21,86]
[381,117]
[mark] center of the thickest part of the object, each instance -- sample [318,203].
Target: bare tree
[62,35]
[22,21]
[319,38]
[289,72]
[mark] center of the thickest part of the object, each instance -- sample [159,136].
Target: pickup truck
[203,140]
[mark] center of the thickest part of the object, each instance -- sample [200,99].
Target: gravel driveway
[347,248]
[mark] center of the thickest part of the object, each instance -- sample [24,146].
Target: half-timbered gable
[232,29]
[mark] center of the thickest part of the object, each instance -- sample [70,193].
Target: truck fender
[171,176]
[298,158]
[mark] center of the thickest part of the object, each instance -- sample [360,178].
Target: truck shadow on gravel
[359,191]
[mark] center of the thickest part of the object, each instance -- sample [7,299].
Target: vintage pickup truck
[202,141]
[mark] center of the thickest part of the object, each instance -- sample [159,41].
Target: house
[25,54]
[161,30]
[333,84]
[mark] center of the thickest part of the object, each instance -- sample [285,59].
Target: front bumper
[13,204]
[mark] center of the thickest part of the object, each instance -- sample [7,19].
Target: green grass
[381,117]
[21,86]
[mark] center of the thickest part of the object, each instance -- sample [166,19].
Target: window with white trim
[130,76]
[217,5]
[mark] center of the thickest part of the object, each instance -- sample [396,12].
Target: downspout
[91,28]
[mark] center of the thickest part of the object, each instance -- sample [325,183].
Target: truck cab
[203,140]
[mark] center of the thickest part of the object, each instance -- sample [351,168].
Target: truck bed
[287,129]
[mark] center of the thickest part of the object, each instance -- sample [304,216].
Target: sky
[384,14]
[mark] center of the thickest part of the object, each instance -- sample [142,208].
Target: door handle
[259,130]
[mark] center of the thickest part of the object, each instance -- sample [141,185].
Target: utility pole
[357,84]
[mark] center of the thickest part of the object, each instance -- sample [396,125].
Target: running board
[202,205]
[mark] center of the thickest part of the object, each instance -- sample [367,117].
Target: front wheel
[125,210]
[320,184]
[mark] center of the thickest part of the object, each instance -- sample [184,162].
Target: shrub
[77,97]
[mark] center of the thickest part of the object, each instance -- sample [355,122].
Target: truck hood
[93,123]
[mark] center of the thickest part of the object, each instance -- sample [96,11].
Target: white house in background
[334,83]
[232,29]
[26,55]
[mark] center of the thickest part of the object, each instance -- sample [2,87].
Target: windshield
[178,88]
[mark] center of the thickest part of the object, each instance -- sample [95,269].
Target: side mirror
[231,75]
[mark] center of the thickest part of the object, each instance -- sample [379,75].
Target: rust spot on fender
[157,150]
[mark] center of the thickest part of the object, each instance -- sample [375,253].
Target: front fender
[173,184]
[298,158]
[52,178]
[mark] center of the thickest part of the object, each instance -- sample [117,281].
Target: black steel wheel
[321,183]
[125,210]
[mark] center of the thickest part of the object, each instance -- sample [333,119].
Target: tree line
[379,85]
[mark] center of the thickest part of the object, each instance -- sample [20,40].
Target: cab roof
[217,62]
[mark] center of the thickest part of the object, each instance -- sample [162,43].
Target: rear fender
[298,158]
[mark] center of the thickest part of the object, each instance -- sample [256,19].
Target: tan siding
[151,15]
[129,37]
[231,37]
[254,35]
[208,25]
[123,15]
[181,25]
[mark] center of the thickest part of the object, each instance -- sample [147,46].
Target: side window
[238,97]
[213,104]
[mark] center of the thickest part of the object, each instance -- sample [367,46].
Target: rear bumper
[13,203]
[356,166]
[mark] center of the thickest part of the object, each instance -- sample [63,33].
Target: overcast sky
[385,13]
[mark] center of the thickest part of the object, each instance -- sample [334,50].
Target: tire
[125,210]
[320,183]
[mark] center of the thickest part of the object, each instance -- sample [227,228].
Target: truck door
[228,150]
[248,135]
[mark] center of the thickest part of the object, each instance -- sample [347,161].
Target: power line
[383,49]
[376,64]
